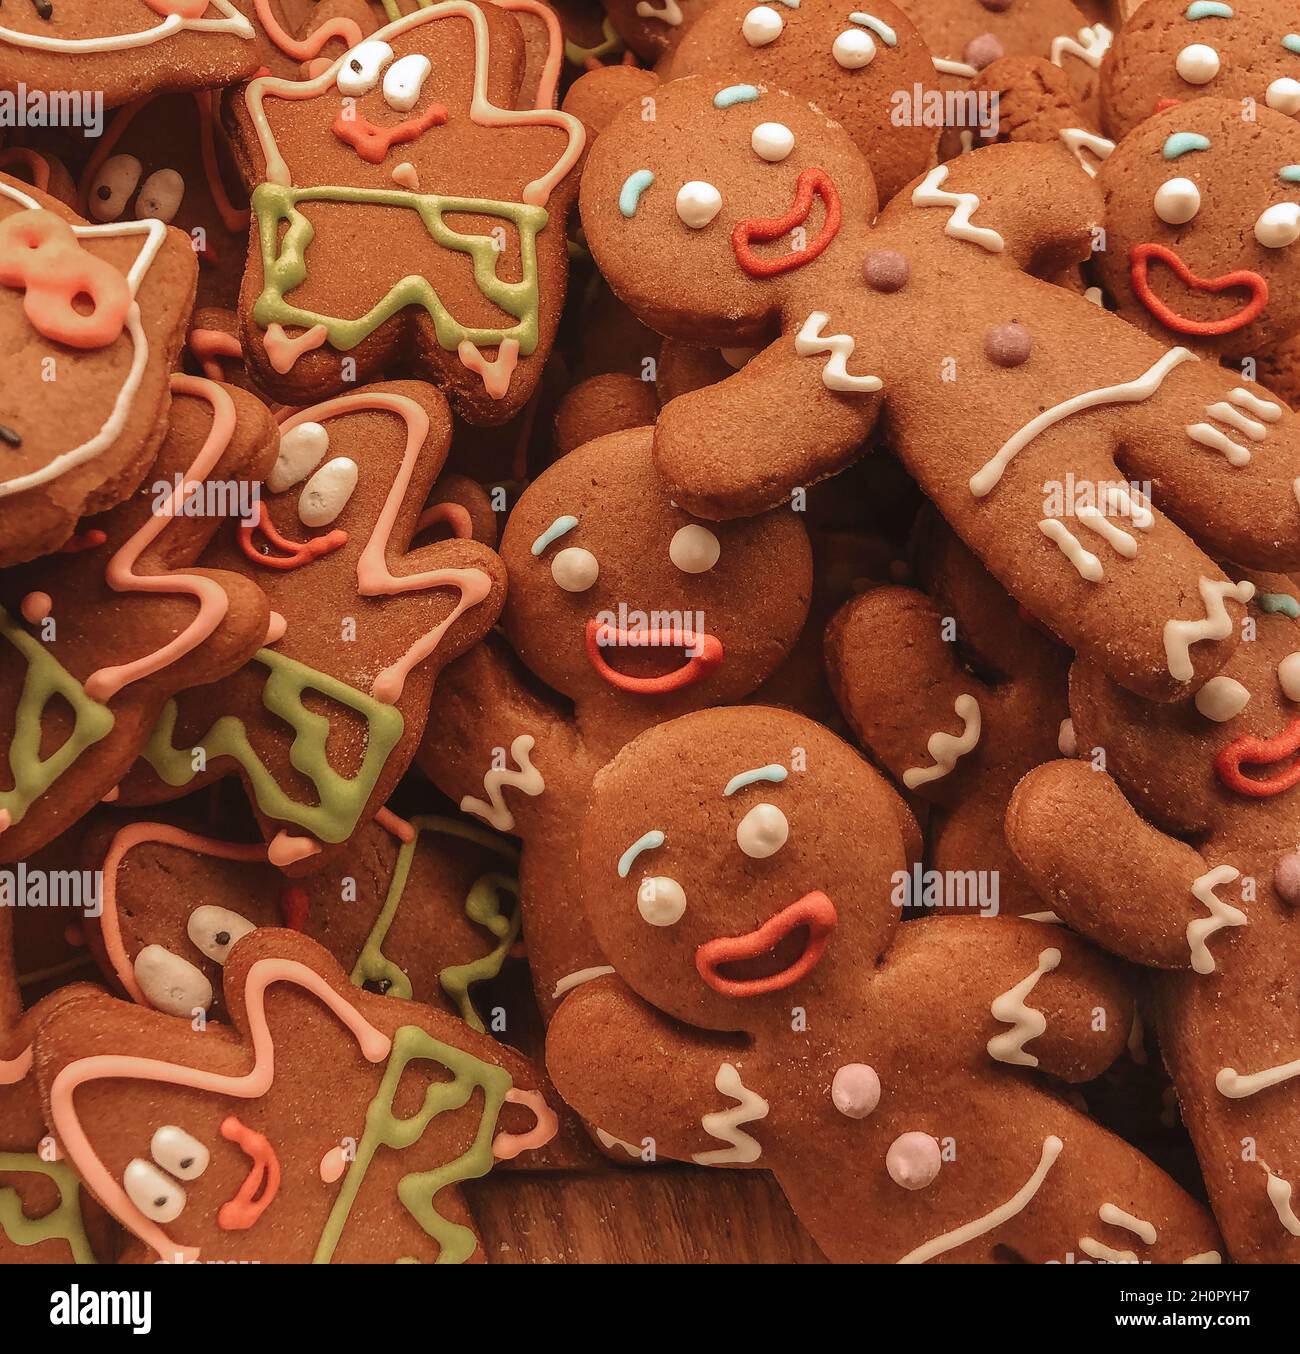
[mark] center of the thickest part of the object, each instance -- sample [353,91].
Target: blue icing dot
[1182,142]
[1292,43]
[1281,603]
[630,193]
[1208,9]
[1289,174]
[734,94]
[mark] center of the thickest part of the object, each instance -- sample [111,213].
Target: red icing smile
[707,656]
[814,911]
[297,552]
[1140,256]
[811,183]
[1251,751]
[244,1210]
[372,143]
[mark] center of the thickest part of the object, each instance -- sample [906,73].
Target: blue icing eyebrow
[1279,603]
[1292,43]
[1208,9]
[775,773]
[652,841]
[1289,173]
[878,26]
[630,193]
[734,94]
[1182,142]
[558,528]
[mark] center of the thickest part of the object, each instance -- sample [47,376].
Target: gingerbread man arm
[1110,874]
[633,1073]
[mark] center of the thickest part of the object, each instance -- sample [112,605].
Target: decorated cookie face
[720,885]
[424,140]
[652,27]
[618,596]
[1203,226]
[1180,50]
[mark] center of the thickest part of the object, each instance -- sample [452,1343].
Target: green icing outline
[46,678]
[483,907]
[419,1190]
[342,800]
[63,1223]
[284,265]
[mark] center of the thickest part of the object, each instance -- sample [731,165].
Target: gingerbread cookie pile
[703,583]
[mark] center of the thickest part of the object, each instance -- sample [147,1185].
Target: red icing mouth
[810,183]
[372,143]
[297,552]
[246,1208]
[698,665]
[814,910]
[1251,751]
[1162,104]
[1140,256]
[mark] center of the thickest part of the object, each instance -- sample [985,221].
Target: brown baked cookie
[293,34]
[769,1012]
[653,28]
[98,638]
[83,389]
[998,389]
[40,169]
[323,1124]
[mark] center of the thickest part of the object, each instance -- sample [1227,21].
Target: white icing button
[1278,226]
[170,983]
[302,449]
[1222,698]
[1288,676]
[404,81]
[661,901]
[161,196]
[1066,742]
[178,1153]
[913,1160]
[694,549]
[1177,201]
[1197,64]
[157,1197]
[359,73]
[1284,96]
[855,1090]
[853,49]
[762,832]
[762,25]
[698,203]
[575,569]
[772,141]
[326,494]
[214,931]
[113,186]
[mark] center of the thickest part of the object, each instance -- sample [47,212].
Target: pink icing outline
[507,1146]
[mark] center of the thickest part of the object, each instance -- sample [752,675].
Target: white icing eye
[772,141]
[179,1154]
[1284,96]
[661,901]
[1222,698]
[113,186]
[694,549]
[1278,226]
[762,25]
[575,569]
[1197,64]
[1177,201]
[161,196]
[326,494]
[404,81]
[302,449]
[214,931]
[359,73]
[1288,676]
[170,983]
[156,1196]
[762,832]
[698,203]
[853,49]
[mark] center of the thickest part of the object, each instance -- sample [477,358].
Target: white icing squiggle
[946,748]
[234,23]
[577,978]
[1279,1195]
[1090,46]
[1114,1216]
[931,193]
[670,12]
[727,1125]
[1237,1086]
[835,374]
[1027,1024]
[1180,635]
[1079,139]
[1086,564]
[1221,914]
[527,778]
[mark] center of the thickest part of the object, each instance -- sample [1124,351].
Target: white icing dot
[772,141]
[762,832]
[157,1196]
[661,901]
[1197,64]
[1288,676]
[1066,742]
[853,49]
[1177,201]
[575,569]
[913,1160]
[214,931]
[359,73]
[161,196]
[113,186]
[1278,226]
[404,81]
[302,449]
[178,1153]
[1222,698]
[698,203]
[170,983]
[326,494]
[762,25]
[855,1090]
[1283,95]
[694,549]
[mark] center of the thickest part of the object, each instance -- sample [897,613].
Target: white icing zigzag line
[1079,139]
[1090,46]
[946,748]
[1235,1086]
[1279,1195]
[726,1125]
[835,374]
[234,22]
[1221,914]
[964,205]
[1052,1146]
[1010,1009]
[670,13]
[1180,635]
[528,778]
[984,480]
